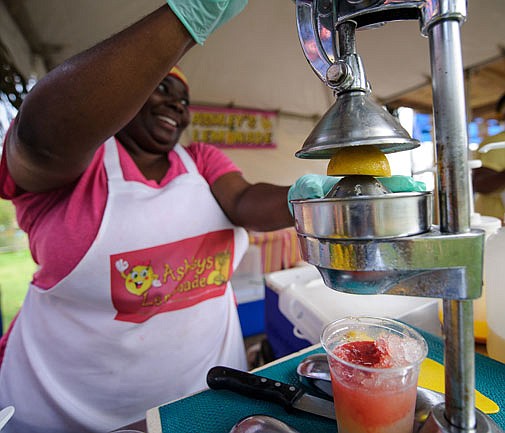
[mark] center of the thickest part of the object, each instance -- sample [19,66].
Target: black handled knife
[259,387]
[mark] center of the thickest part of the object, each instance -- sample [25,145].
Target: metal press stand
[444,262]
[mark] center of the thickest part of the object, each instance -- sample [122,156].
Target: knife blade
[263,388]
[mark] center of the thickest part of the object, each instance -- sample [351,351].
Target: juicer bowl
[364,217]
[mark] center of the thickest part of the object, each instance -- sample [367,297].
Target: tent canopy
[256,60]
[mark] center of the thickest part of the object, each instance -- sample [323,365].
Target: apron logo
[139,279]
[192,271]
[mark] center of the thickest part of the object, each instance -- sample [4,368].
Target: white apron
[139,321]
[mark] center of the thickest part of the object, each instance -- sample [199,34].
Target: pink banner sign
[232,127]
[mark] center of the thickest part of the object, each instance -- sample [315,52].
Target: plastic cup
[374,367]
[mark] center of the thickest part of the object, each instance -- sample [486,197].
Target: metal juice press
[385,243]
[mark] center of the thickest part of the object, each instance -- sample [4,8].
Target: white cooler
[302,298]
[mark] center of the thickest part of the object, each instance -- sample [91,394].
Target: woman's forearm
[70,112]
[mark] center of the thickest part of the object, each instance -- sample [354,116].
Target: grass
[16,269]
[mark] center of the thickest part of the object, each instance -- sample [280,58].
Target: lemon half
[367,159]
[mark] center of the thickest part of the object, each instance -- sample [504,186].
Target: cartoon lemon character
[221,273]
[140,279]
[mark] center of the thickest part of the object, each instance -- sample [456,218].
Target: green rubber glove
[398,183]
[202,17]
[311,186]
[317,186]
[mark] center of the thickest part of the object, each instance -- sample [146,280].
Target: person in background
[489,180]
[135,237]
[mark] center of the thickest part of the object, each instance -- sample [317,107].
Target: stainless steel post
[453,188]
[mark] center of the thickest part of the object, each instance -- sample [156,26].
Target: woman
[136,238]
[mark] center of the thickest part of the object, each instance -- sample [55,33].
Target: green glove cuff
[400,183]
[198,39]
[310,186]
[202,17]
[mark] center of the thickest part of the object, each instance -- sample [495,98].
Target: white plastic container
[490,225]
[494,280]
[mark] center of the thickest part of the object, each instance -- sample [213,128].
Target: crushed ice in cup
[386,351]
[402,351]
[384,354]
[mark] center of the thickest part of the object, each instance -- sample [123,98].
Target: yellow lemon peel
[367,160]
[355,335]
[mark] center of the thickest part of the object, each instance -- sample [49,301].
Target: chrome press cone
[355,120]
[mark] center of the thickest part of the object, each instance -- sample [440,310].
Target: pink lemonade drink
[374,366]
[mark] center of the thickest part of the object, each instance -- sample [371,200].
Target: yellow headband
[177,73]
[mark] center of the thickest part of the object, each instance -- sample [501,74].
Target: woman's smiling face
[159,124]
